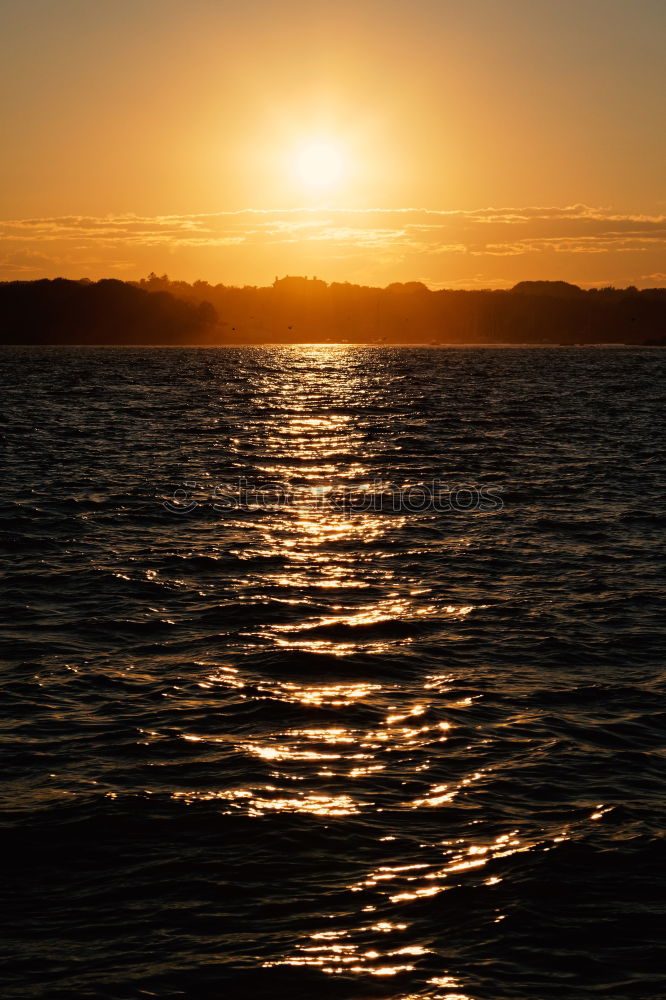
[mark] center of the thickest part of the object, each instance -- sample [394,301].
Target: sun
[320,164]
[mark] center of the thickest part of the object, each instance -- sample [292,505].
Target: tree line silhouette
[157,310]
[104,312]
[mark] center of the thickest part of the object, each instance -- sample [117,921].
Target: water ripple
[291,735]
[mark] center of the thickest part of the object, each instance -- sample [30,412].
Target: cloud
[376,235]
[476,228]
[659,277]
[25,262]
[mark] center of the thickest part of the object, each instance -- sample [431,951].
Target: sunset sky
[462,144]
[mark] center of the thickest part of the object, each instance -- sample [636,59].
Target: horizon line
[585,286]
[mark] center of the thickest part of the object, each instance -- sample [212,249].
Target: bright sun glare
[319,164]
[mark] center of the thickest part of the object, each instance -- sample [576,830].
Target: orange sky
[478,144]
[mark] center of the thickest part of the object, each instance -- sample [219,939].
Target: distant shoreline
[319,343]
[295,310]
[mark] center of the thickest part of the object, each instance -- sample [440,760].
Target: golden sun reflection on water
[259,801]
[461,858]
[334,952]
[320,695]
[338,736]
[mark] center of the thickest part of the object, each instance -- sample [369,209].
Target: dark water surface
[293,747]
